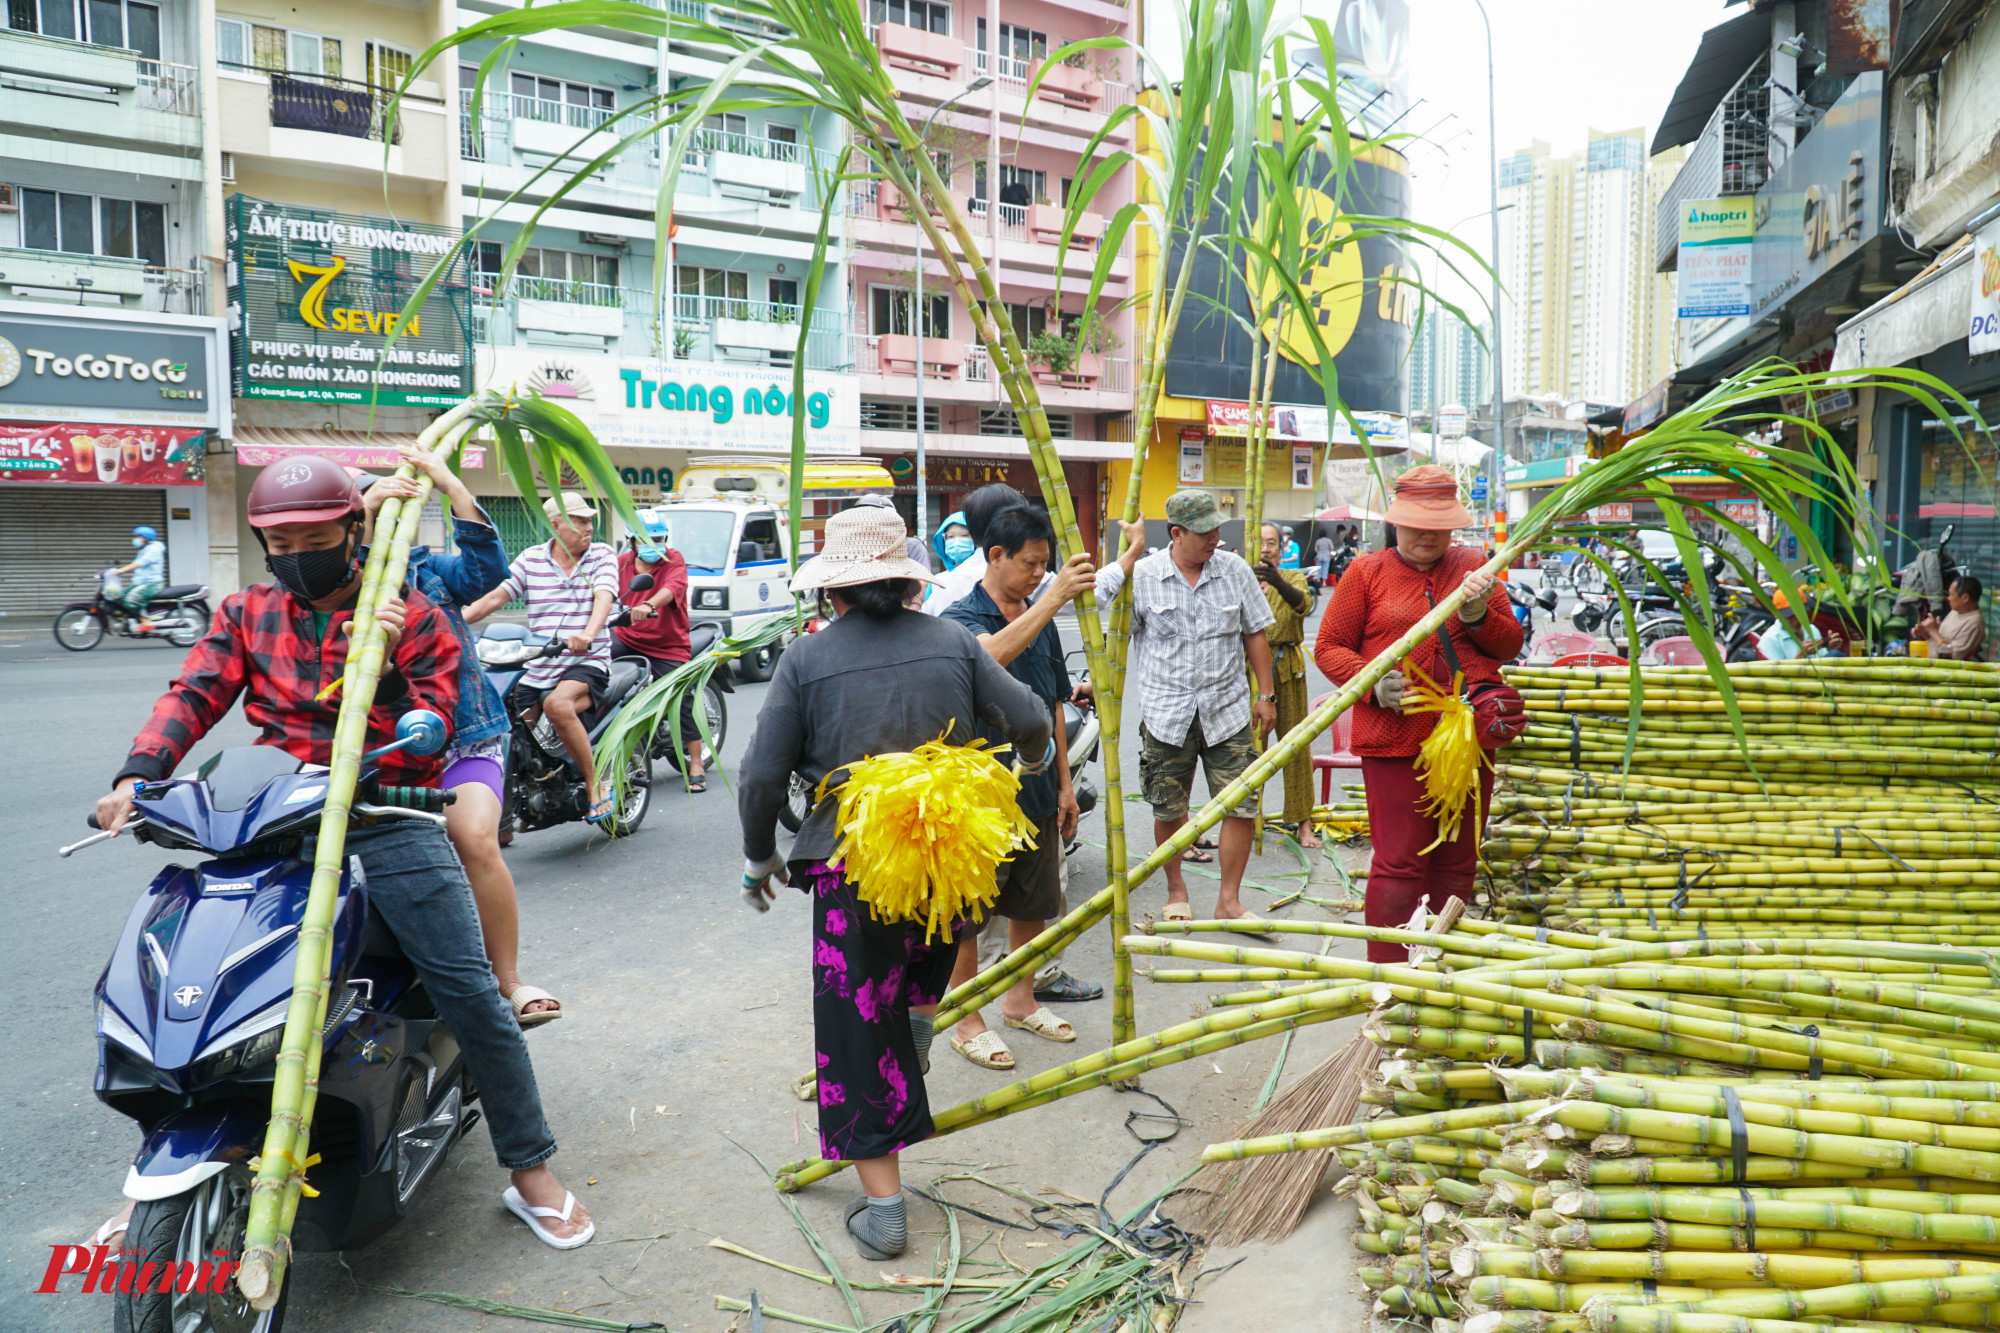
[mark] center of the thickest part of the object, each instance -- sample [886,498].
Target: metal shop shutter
[54,538]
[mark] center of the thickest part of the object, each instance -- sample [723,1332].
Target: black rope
[1876,845]
[1739,1160]
[1814,1065]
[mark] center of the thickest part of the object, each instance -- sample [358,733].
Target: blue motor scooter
[191,1012]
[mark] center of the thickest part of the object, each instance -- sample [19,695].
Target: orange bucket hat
[1427,497]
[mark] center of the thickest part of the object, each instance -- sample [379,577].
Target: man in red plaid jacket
[279,645]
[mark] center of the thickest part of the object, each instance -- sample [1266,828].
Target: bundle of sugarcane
[1853,796]
[1342,820]
[1575,1132]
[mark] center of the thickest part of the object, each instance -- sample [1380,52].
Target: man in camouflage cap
[1198,616]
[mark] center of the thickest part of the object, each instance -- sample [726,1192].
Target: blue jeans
[418,886]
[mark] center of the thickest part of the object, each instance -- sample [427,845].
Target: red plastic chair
[1590,660]
[1677,651]
[1561,643]
[1326,765]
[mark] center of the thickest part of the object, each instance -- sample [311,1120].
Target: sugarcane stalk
[1976,1286]
[266,1245]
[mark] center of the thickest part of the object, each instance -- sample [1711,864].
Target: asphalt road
[687,1018]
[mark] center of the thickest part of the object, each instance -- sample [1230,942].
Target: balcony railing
[771,150]
[173,89]
[332,106]
[1014,222]
[972,366]
[550,112]
[136,285]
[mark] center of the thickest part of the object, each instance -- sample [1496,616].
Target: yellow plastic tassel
[921,832]
[1450,760]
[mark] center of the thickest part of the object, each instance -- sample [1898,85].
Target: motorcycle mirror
[642,583]
[421,731]
[1949,528]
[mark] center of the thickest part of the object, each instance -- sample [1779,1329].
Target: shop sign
[318,299]
[160,369]
[1647,408]
[1303,422]
[695,405]
[1739,511]
[1194,462]
[1302,467]
[1715,258]
[1983,334]
[78,453]
[1815,211]
[1611,513]
[347,455]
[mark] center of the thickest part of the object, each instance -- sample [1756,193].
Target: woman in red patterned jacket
[1379,598]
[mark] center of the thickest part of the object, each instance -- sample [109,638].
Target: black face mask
[311,575]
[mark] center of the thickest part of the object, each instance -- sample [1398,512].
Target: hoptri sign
[318,299]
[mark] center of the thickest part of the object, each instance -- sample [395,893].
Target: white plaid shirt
[1187,643]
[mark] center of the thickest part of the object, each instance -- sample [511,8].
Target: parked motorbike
[1524,604]
[700,639]
[179,613]
[191,1012]
[544,785]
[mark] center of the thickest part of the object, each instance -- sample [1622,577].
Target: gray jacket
[864,687]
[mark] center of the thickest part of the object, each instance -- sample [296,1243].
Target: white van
[728,519]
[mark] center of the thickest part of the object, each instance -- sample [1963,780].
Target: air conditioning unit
[229,168]
[603,238]
[7,204]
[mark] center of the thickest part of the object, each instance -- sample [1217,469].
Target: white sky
[1564,67]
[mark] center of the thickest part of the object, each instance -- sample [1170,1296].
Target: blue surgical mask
[138,543]
[958,549]
[652,555]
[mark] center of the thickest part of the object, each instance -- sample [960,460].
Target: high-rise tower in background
[1582,309]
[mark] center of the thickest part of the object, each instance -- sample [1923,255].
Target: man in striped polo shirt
[571,584]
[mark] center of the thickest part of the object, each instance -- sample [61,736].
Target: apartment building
[583,318]
[1010,160]
[1581,303]
[112,370]
[1451,362]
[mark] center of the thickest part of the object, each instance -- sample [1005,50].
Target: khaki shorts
[1031,882]
[1166,772]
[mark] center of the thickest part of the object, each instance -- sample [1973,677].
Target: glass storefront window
[1959,493]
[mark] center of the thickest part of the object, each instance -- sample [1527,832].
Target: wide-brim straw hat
[1427,497]
[860,545]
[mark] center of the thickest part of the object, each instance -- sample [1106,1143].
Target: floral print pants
[866,975]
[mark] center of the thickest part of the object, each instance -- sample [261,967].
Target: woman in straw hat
[1380,597]
[880,679]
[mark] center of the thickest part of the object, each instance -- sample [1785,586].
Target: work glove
[1389,691]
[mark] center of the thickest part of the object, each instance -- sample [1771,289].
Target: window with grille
[899,416]
[1001,421]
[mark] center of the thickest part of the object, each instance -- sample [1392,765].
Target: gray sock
[887,1222]
[921,1032]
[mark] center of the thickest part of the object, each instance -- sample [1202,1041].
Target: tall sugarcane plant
[535,436]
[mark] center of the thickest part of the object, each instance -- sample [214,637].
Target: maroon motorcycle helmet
[304,488]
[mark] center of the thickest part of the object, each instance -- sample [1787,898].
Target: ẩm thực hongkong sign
[318,300]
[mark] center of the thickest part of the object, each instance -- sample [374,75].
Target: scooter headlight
[245,1046]
[112,1026]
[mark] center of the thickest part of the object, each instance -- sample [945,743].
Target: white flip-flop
[530,1214]
[113,1226]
